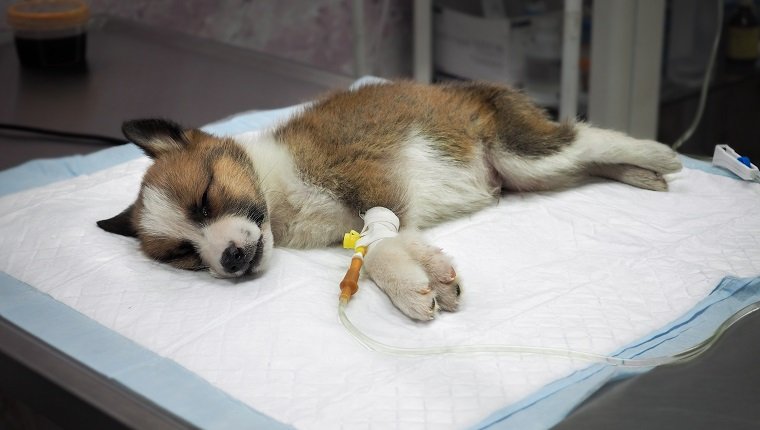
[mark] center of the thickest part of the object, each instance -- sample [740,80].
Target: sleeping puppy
[428,153]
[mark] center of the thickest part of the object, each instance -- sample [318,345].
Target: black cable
[57,133]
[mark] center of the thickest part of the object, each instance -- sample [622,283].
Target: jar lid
[47,14]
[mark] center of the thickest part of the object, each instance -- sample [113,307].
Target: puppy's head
[200,205]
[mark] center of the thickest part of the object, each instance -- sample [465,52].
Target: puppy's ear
[155,136]
[120,224]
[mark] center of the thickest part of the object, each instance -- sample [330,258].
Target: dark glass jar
[50,33]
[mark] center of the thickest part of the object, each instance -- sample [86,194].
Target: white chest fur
[302,215]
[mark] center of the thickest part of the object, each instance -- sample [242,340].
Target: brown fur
[348,142]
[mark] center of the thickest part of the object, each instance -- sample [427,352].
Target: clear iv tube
[682,356]
[706,81]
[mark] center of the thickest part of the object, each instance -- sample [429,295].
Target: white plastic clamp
[725,157]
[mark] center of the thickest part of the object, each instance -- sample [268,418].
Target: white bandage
[379,223]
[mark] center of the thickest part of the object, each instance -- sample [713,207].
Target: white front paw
[418,278]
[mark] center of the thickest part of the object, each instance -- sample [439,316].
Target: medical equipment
[381,223]
[725,157]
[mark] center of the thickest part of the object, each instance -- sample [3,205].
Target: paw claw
[448,296]
[448,278]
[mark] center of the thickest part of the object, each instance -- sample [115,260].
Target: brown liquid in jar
[61,52]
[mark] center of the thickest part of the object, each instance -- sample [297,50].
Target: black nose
[233,259]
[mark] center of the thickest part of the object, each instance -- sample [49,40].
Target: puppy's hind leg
[600,147]
[530,152]
[590,151]
[631,175]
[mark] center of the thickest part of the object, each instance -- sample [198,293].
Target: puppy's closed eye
[205,207]
[201,210]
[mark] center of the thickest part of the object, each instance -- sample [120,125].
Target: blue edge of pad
[190,397]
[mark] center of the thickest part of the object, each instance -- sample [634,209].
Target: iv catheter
[381,223]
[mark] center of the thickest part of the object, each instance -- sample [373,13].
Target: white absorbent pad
[591,268]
